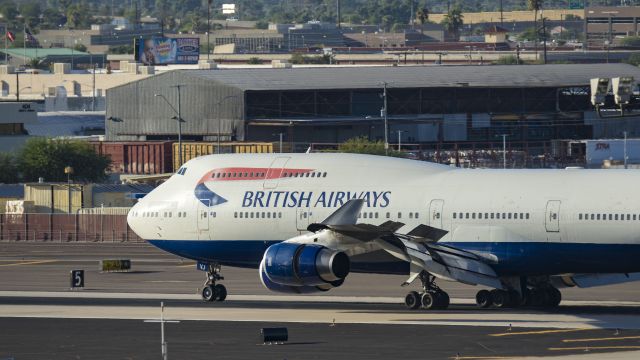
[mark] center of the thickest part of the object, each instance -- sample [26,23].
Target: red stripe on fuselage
[244,173]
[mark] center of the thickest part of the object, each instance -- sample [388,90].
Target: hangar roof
[554,75]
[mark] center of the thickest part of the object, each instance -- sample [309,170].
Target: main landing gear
[212,291]
[543,297]
[431,298]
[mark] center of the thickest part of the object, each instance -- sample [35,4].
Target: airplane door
[274,173]
[552,216]
[435,213]
[303,218]
[203,219]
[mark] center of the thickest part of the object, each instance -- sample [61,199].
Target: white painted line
[87,294]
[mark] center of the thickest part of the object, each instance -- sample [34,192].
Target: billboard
[165,51]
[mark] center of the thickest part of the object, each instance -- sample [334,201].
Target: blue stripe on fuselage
[514,258]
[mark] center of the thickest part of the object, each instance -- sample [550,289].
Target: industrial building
[532,104]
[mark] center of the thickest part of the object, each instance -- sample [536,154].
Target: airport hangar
[459,105]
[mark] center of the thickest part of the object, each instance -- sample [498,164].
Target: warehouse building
[533,104]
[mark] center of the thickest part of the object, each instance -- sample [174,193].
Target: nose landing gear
[432,297]
[212,291]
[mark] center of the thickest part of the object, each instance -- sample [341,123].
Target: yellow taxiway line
[601,339]
[623,347]
[540,332]
[34,262]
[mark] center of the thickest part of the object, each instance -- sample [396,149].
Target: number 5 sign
[77,279]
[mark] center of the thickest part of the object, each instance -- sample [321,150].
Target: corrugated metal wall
[137,111]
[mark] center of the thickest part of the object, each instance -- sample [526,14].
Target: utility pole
[17,86]
[178,87]
[544,36]
[625,150]
[384,115]
[338,13]
[504,150]
[93,93]
[501,15]
[208,29]
[400,139]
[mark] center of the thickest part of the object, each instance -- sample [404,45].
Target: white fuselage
[527,221]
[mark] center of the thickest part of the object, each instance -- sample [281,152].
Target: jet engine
[302,268]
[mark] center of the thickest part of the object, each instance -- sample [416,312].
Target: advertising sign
[165,51]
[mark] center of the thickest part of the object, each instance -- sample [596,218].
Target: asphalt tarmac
[41,318]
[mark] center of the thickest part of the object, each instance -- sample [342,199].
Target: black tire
[484,299]
[554,297]
[443,300]
[208,293]
[500,298]
[539,298]
[412,300]
[515,299]
[221,292]
[429,301]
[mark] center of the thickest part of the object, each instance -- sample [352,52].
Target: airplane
[305,221]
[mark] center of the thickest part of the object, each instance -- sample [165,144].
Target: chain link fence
[66,228]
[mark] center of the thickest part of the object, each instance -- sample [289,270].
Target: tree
[634,59]
[631,41]
[9,173]
[80,47]
[9,10]
[422,16]
[52,19]
[254,60]
[535,5]
[30,12]
[47,158]
[507,60]
[453,21]
[261,24]
[362,145]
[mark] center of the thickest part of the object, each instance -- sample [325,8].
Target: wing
[419,246]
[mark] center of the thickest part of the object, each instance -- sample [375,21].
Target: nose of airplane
[133,218]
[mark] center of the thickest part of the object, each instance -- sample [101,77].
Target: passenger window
[492,215]
[527,216]
[399,215]
[274,214]
[241,215]
[509,216]
[418,215]
[246,214]
[454,215]
[324,174]
[628,217]
[521,216]
[580,217]
[598,216]
[610,217]
[364,215]
[235,214]
[388,215]
[473,215]
[634,216]
[616,217]
[279,215]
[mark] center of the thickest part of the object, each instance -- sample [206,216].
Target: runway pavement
[362,319]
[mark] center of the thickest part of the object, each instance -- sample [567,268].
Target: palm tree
[535,5]
[453,21]
[422,16]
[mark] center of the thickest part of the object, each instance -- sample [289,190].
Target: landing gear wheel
[208,293]
[444,299]
[554,297]
[412,300]
[500,298]
[220,292]
[212,291]
[484,299]
[429,301]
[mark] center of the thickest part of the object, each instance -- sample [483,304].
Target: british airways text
[310,199]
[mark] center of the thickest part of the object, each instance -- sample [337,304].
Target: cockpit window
[181,171]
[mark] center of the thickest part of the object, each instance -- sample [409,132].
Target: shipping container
[191,150]
[54,198]
[137,157]
[598,151]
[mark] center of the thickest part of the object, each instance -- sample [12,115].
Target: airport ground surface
[40,317]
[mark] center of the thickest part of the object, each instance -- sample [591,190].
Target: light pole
[400,139]
[504,150]
[68,170]
[220,120]
[178,118]
[208,28]
[384,115]
[280,135]
[625,150]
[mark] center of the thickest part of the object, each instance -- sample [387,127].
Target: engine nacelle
[288,289]
[305,265]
